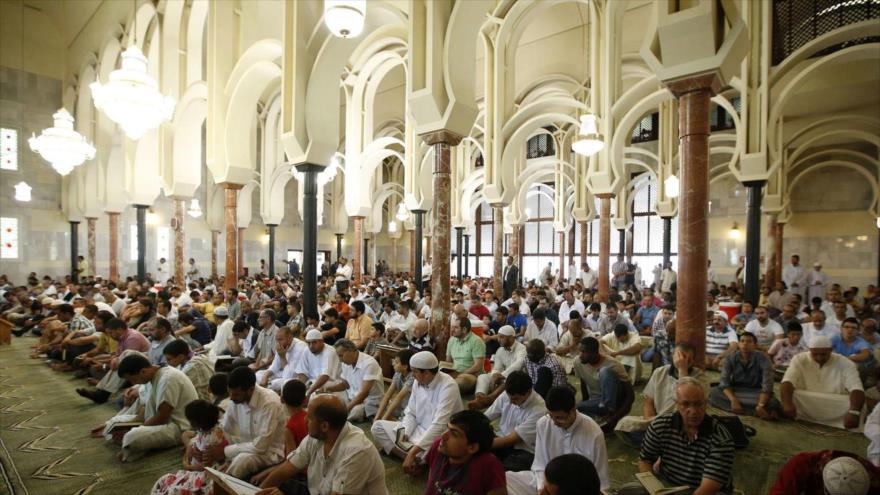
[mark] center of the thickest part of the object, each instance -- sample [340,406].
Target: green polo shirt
[464,352]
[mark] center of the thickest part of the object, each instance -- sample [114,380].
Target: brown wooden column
[604,269]
[694,96]
[441,141]
[91,248]
[114,245]
[179,240]
[215,234]
[561,256]
[357,259]
[585,241]
[498,248]
[771,276]
[231,219]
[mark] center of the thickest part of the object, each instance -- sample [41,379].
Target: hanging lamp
[61,146]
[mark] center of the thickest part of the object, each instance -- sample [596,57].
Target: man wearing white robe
[562,431]
[588,276]
[319,366]
[360,387]
[288,352]
[794,276]
[823,387]
[817,282]
[220,345]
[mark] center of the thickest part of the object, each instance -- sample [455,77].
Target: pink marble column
[514,243]
[771,275]
[231,218]
[177,226]
[777,248]
[215,234]
[92,257]
[561,256]
[604,270]
[357,257]
[113,217]
[585,245]
[498,249]
[694,96]
[441,227]
[240,240]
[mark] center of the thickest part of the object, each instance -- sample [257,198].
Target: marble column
[770,276]
[114,245]
[90,237]
[74,251]
[442,142]
[417,240]
[694,96]
[753,241]
[310,237]
[215,234]
[339,246]
[498,249]
[561,256]
[230,276]
[777,248]
[459,233]
[667,240]
[467,254]
[515,244]
[179,240]
[271,259]
[357,251]
[585,241]
[240,260]
[604,269]
[392,267]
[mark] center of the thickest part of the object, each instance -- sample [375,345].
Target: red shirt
[802,474]
[297,427]
[479,311]
[481,475]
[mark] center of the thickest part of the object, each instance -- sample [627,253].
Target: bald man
[421,340]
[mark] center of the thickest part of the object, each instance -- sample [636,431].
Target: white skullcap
[46,300]
[221,311]
[817,264]
[820,342]
[845,476]
[507,330]
[424,360]
[721,314]
[313,335]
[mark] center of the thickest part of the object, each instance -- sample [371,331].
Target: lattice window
[797,22]
[8,149]
[8,238]
[648,129]
[540,146]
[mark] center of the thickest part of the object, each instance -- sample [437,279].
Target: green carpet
[45,448]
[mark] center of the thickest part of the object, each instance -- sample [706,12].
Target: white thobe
[547,333]
[565,310]
[583,437]
[667,278]
[365,369]
[872,431]
[283,369]
[572,273]
[817,284]
[504,361]
[822,392]
[588,279]
[220,344]
[795,278]
[522,419]
[810,331]
[314,365]
[255,430]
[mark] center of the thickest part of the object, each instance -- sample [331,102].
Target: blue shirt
[647,315]
[517,322]
[847,350]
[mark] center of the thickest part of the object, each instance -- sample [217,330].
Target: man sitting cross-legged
[128,340]
[288,352]
[337,457]
[319,366]
[562,431]
[747,382]
[509,357]
[165,393]
[605,385]
[467,352]
[361,381]
[518,410]
[433,400]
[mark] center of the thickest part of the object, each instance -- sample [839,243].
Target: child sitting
[203,416]
[377,338]
[397,396]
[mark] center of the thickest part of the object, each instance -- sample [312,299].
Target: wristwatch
[854,412]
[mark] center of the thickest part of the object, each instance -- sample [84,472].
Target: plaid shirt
[81,324]
[549,361]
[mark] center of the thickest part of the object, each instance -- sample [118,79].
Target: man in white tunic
[220,345]
[319,366]
[823,387]
[361,381]
[543,329]
[517,410]
[337,456]
[562,431]
[588,276]
[253,424]
[794,276]
[818,327]
[165,393]
[509,357]
[288,352]
[764,329]
[569,304]
[433,400]
[817,282]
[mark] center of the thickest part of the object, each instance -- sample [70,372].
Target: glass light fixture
[195,210]
[591,142]
[392,227]
[61,146]
[402,213]
[345,18]
[734,231]
[22,191]
[672,186]
[152,218]
[131,98]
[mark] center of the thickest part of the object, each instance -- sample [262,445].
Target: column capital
[309,167]
[230,185]
[271,225]
[73,222]
[754,183]
[709,81]
[605,195]
[442,136]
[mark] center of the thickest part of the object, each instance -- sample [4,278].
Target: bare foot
[97,432]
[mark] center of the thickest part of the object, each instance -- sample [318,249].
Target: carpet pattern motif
[45,448]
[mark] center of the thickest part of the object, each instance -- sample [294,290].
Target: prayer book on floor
[231,484]
[655,487]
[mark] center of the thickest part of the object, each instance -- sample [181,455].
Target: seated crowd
[522,389]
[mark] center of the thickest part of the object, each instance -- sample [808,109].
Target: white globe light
[592,141]
[392,226]
[131,98]
[345,18]
[22,191]
[195,210]
[672,186]
[402,213]
[61,145]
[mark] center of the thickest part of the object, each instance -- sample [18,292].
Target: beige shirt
[256,427]
[838,376]
[661,387]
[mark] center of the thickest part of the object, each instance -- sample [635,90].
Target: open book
[655,487]
[123,426]
[401,442]
[231,484]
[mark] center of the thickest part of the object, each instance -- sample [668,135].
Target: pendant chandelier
[195,210]
[591,142]
[345,18]
[672,186]
[392,227]
[402,213]
[23,191]
[61,145]
[131,98]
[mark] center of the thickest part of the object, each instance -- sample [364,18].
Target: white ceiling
[69,16]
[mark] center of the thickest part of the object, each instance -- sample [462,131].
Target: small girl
[192,480]
[396,398]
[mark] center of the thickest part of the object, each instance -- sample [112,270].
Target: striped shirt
[718,342]
[549,361]
[686,462]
